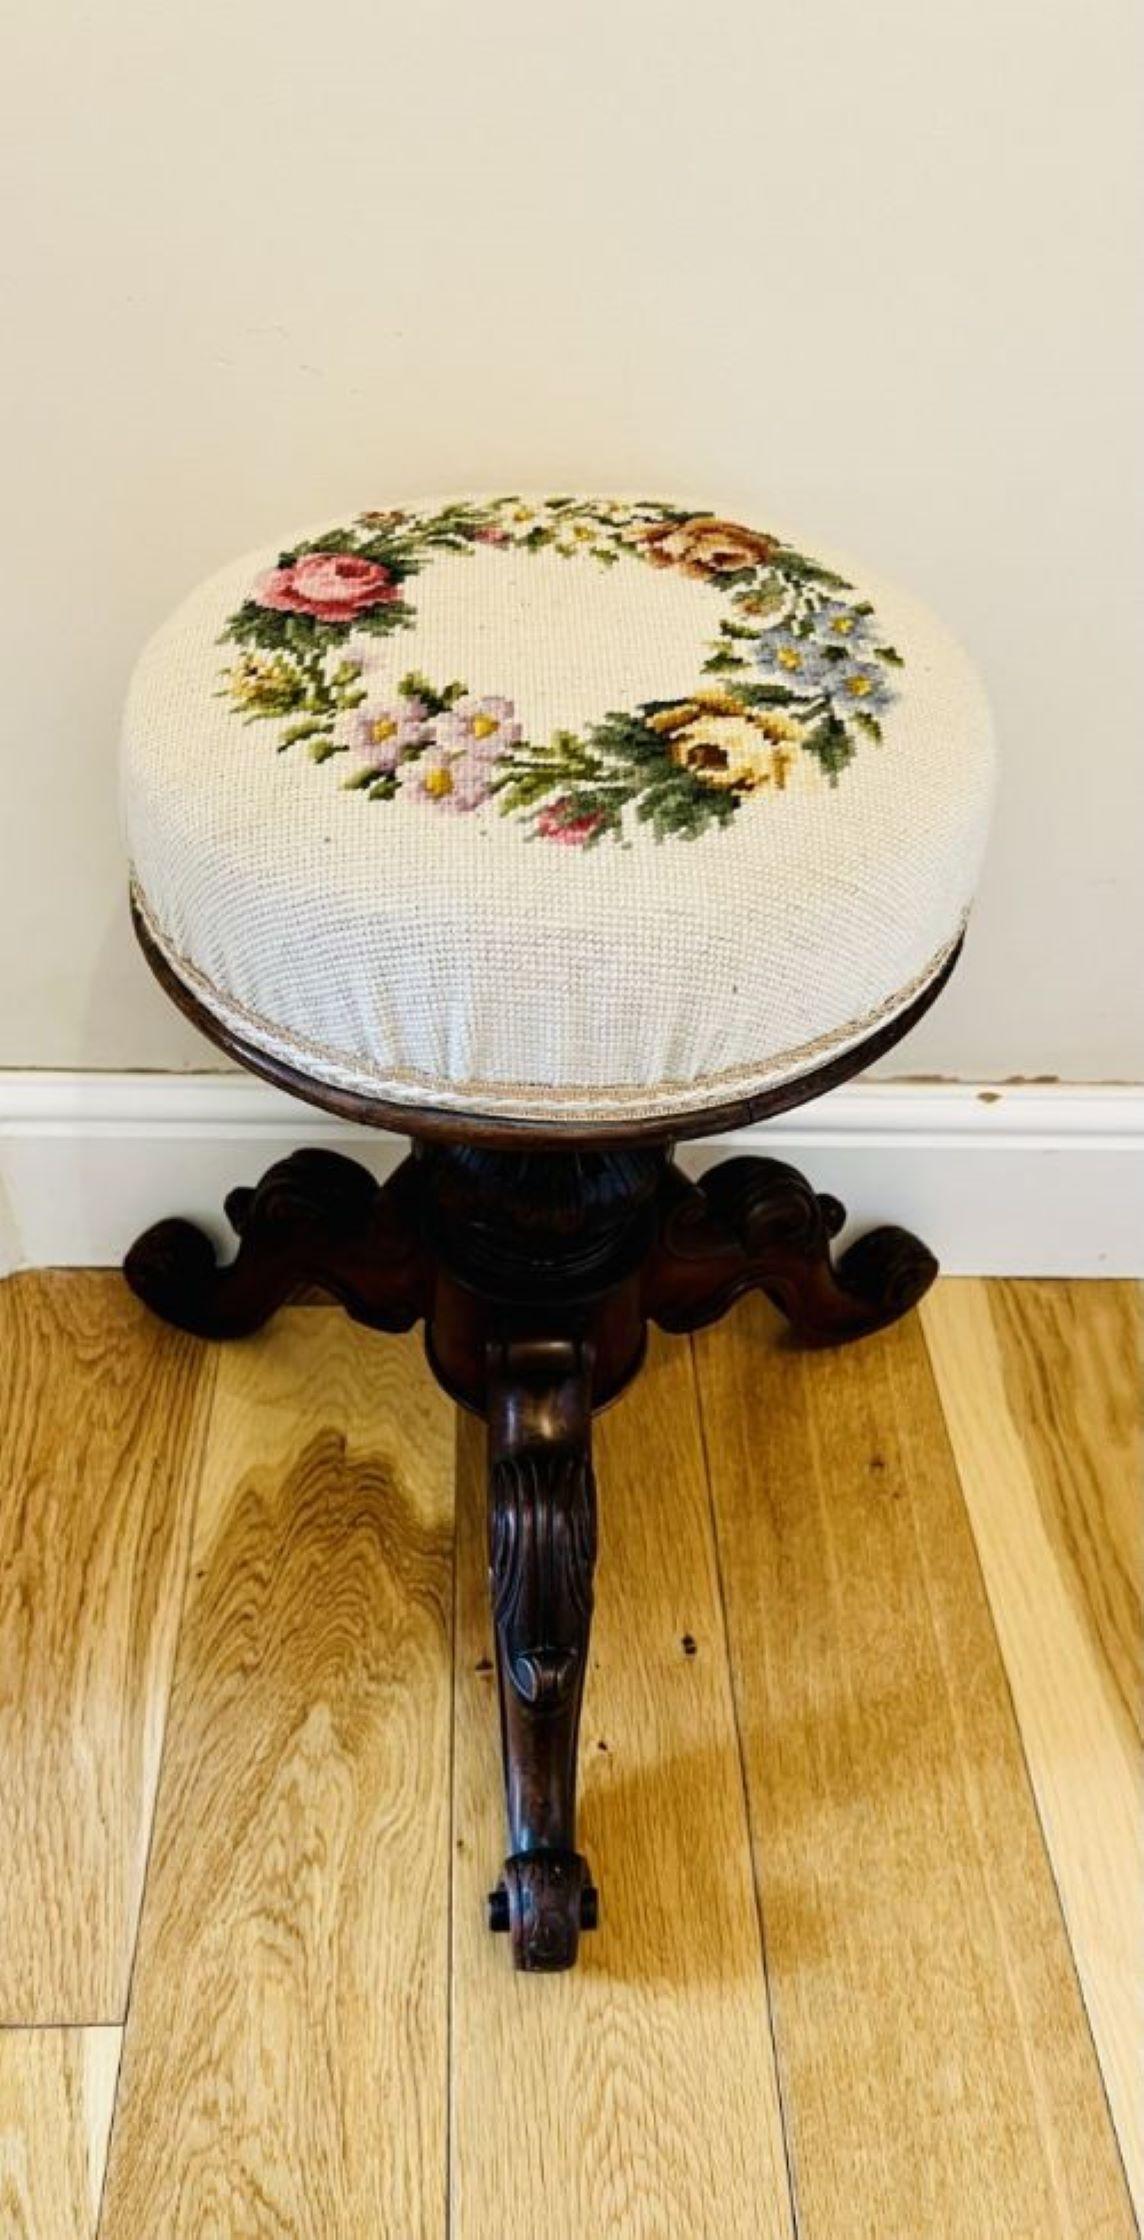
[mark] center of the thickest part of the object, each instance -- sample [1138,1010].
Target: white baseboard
[1038,1180]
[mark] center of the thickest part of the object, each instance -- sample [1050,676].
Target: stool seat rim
[440,1123]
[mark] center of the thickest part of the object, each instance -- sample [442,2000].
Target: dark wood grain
[542,1555]
[757,1225]
[535,1275]
[535,1254]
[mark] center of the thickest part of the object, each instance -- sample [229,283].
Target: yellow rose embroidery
[799,673]
[724,744]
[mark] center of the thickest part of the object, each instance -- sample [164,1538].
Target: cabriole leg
[315,1218]
[542,1546]
[757,1225]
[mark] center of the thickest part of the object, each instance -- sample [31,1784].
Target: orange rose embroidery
[803,670]
[706,547]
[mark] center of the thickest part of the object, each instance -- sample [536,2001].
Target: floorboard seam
[736,1714]
[451,1941]
[184,1594]
[85,2022]
[1026,1768]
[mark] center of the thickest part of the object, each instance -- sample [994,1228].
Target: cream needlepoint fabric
[570,808]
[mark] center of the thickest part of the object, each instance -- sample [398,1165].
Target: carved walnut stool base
[535,1265]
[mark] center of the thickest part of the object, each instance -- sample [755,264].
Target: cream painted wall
[871,265]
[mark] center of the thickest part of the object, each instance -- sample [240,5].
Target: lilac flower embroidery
[383,737]
[483,728]
[804,674]
[449,780]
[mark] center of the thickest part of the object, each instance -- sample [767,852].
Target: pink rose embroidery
[802,674]
[331,586]
[559,820]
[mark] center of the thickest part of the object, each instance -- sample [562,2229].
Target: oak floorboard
[939,2077]
[103,1413]
[636,2096]
[1041,1388]
[285,2062]
[56,2093]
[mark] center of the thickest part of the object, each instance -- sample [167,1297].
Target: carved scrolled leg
[542,1547]
[315,1219]
[757,1224]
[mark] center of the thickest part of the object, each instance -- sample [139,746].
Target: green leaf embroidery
[581,789]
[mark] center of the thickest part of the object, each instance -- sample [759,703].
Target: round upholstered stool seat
[546,830]
[567,810]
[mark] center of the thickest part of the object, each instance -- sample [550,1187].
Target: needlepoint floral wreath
[797,679]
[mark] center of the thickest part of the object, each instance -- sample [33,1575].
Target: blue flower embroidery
[310,644]
[828,655]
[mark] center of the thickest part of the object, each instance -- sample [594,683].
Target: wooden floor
[860,1789]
